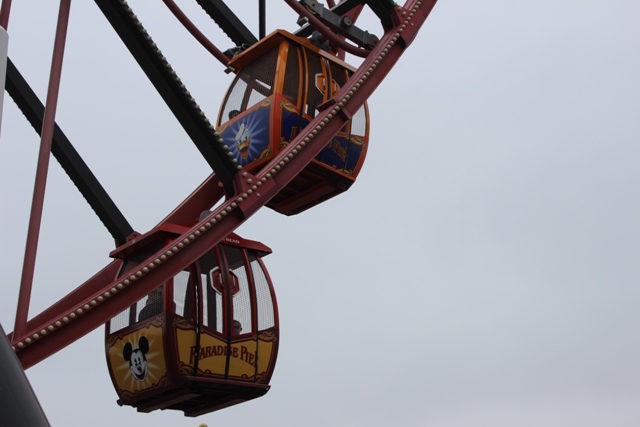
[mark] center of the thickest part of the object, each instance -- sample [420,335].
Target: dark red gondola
[204,340]
[280,84]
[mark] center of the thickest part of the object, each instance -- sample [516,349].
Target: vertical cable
[262,12]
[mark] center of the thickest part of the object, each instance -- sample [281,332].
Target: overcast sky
[482,271]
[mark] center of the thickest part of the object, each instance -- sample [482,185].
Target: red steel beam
[44,155]
[196,33]
[4,14]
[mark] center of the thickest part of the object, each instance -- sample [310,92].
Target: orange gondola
[204,340]
[281,83]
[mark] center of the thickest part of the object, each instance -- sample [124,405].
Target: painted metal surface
[206,339]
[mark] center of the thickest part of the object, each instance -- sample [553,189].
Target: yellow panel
[266,343]
[212,359]
[242,357]
[242,363]
[185,341]
[135,365]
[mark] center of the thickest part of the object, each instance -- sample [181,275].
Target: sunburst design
[156,368]
[257,124]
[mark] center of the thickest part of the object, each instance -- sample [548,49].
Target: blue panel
[341,154]
[248,136]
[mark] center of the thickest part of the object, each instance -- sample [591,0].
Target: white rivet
[58,324]
[51,328]
[145,270]
[28,340]
[94,302]
[65,319]
[35,336]
[86,307]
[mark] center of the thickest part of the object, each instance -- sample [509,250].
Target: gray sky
[482,271]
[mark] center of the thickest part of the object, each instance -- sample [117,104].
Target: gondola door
[226,347]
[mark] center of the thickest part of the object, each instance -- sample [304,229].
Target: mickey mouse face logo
[136,358]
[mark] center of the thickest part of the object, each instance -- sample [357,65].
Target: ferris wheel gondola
[282,83]
[204,340]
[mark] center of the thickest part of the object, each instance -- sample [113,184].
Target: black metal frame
[333,18]
[170,88]
[61,148]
